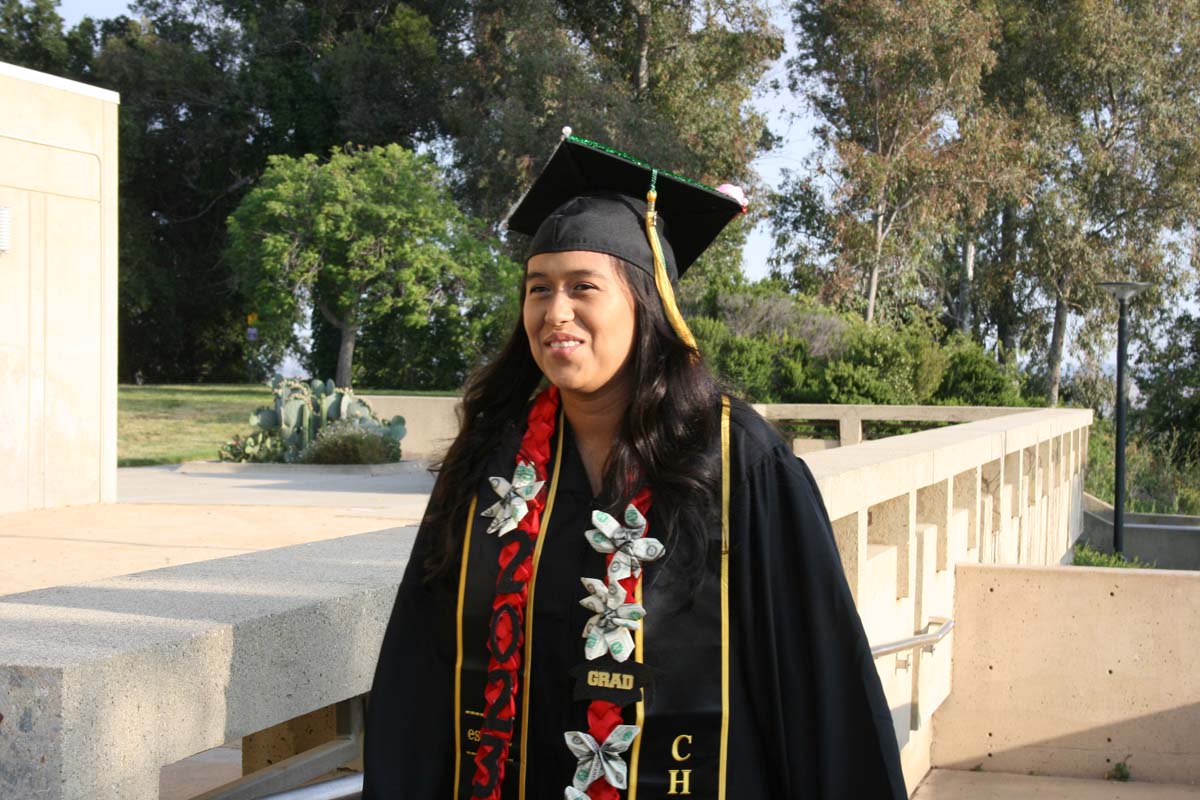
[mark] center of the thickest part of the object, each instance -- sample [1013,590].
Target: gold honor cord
[537,557]
[724,595]
[462,586]
[639,655]
[661,279]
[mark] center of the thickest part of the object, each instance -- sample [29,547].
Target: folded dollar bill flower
[571,793]
[514,498]
[628,543]
[599,759]
[608,630]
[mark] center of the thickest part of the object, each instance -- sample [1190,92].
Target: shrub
[347,443]
[1154,483]
[1088,556]
[973,377]
[260,447]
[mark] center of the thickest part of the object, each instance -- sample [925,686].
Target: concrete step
[946,784]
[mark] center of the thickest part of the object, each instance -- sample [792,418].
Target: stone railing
[432,422]
[907,509]
[102,684]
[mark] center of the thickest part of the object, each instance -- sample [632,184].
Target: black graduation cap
[592,197]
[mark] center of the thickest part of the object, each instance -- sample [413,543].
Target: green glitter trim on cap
[612,151]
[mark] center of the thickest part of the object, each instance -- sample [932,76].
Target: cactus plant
[301,411]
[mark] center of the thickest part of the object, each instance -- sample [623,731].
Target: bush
[260,447]
[1154,483]
[762,369]
[347,443]
[973,377]
[1088,556]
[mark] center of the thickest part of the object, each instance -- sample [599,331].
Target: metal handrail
[925,640]
[349,787]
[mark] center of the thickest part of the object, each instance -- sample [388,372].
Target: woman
[625,584]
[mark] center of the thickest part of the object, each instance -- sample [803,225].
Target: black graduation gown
[806,715]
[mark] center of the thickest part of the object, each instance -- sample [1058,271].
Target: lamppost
[1123,291]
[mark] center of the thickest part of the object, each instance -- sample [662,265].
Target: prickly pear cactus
[302,410]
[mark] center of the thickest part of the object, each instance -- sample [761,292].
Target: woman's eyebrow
[575,274]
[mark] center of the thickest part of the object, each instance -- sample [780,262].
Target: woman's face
[579,316]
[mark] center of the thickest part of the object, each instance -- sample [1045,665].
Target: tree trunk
[873,281]
[1057,336]
[1005,309]
[641,74]
[345,356]
[965,280]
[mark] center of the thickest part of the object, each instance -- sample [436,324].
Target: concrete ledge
[274,470]
[102,684]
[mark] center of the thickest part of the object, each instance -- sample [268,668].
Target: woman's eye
[537,289]
[583,286]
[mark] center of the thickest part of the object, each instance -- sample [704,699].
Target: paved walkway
[943,784]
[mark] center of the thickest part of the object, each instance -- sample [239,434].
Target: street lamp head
[1123,290]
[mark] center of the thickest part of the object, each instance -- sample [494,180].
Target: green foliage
[1169,382]
[345,442]
[772,347]
[671,83]
[764,369]
[972,377]
[1088,556]
[371,238]
[1120,771]
[1154,482]
[261,446]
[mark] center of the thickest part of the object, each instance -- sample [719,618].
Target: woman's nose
[560,309]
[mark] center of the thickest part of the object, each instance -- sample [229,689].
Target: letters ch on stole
[681,779]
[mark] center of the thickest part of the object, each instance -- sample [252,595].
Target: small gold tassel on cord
[661,278]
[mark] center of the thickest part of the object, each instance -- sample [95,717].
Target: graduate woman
[625,584]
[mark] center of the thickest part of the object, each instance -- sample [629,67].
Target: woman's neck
[596,422]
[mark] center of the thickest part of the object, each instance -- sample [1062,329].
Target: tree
[1105,98]
[1168,378]
[895,85]
[209,89]
[670,82]
[370,232]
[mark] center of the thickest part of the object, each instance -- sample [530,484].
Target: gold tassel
[661,279]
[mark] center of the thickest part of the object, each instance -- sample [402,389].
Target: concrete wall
[907,509]
[1068,671]
[1169,541]
[431,422]
[58,307]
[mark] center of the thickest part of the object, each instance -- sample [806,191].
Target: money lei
[608,631]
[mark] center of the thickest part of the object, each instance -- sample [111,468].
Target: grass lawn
[170,424]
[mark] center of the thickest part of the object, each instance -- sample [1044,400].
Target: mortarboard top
[599,195]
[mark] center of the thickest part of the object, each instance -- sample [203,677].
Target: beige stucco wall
[58,307]
[431,423]
[1068,670]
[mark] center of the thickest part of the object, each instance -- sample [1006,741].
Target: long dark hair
[664,440]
